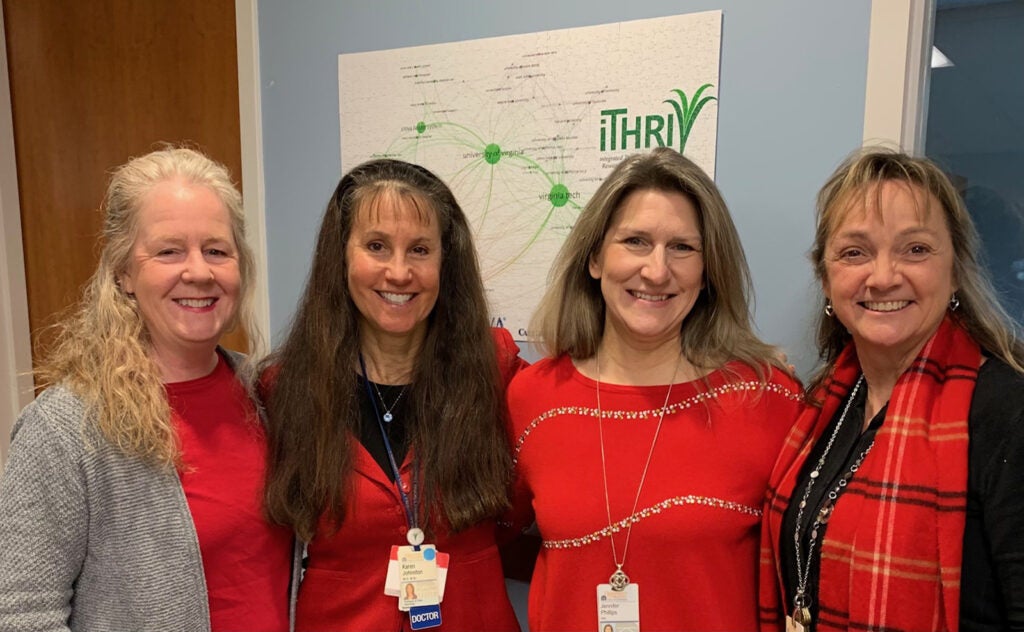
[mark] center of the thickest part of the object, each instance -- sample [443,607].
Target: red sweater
[694,556]
[343,588]
[246,561]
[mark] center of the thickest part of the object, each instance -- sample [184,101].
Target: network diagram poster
[524,128]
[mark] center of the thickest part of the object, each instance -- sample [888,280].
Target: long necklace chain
[619,580]
[801,604]
[387,409]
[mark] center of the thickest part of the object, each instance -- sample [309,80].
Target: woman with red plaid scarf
[896,504]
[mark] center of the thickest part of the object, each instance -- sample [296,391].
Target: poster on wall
[524,128]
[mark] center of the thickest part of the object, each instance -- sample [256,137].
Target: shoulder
[503,339]
[509,361]
[995,375]
[535,388]
[51,439]
[544,373]
[773,382]
[785,385]
[997,407]
[234,359]
[766,406]
[57,413]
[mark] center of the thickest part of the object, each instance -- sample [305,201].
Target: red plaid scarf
[891,555]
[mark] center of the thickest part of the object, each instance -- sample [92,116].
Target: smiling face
[183,272]
[889,270]
[650,267]
[393,257]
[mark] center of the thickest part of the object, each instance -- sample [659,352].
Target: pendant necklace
[387,416]
[801,617]
[619,580]
[414,535]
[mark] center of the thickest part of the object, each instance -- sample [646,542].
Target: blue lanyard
[410,507]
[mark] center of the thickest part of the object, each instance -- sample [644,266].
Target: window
[975,128]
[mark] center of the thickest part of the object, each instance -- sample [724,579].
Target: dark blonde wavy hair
[456,429]
[718,329]
[101,351]
[858,176]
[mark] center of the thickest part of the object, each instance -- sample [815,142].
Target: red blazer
[343,587]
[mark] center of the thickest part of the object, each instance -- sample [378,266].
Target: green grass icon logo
[688,111]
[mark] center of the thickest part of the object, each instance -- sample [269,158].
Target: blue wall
[791,106]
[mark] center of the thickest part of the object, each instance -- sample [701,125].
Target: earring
[954,303]
[129,295]
[829,310]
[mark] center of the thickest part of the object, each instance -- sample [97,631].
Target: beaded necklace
[801,601]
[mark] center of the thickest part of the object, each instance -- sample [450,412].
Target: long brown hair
[456,430]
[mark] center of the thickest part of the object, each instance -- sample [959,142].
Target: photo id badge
[393,588]
[618,610]
[417,577]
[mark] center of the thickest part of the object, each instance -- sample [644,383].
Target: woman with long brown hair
[387,413]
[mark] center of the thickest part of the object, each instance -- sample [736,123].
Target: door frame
[16,386]
[250,115]
[15,345]
[896,94]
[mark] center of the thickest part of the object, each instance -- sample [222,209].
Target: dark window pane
[976,128]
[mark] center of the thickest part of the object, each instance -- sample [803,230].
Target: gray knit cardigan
[92,539]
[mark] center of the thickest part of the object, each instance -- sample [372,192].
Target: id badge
[417,577]
[392,585]
[618,610]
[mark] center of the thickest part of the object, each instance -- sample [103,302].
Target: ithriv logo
[665,130]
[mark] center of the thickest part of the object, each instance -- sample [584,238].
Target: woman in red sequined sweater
[644,442]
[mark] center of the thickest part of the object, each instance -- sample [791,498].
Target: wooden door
[93,83]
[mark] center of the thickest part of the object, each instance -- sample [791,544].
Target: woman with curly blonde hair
[131,499]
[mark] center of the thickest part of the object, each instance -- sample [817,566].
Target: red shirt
[246,561]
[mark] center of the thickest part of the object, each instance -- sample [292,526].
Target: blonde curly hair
[101,351]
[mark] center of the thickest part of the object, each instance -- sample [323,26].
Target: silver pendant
[619,580]
[414,536]
[388,417]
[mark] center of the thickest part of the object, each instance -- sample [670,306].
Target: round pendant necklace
[619,580]
[414,535]
[387,416]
